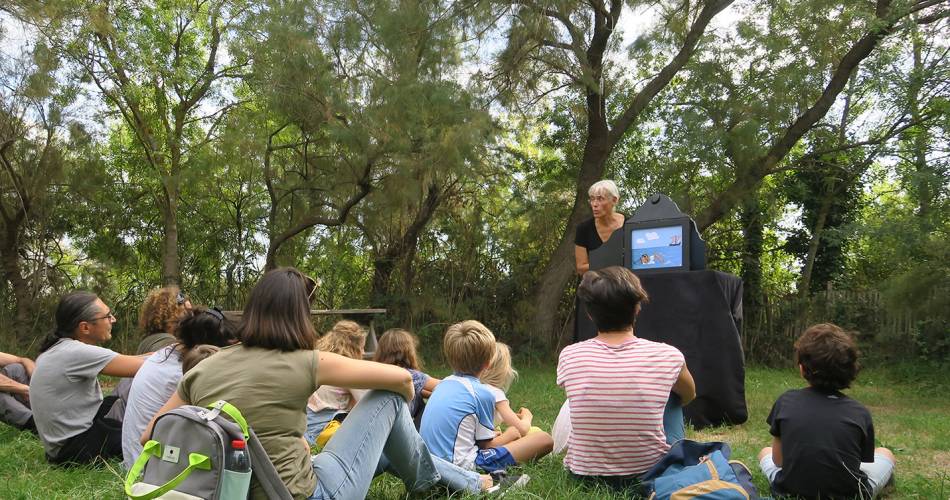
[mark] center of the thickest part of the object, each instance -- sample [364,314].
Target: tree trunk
[403,250]
[923,176]
[18,285]
[171,274]
[752,231]
[561,267]
[814,243]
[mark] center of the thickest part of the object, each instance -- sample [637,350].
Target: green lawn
[911,414]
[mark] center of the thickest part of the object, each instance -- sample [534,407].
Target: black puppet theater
[698,311]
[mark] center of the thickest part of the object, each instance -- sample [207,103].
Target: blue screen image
[657,247]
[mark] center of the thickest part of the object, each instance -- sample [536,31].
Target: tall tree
[33,159]
[554,46]
[162,67]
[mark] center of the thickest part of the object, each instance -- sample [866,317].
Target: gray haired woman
[594,232]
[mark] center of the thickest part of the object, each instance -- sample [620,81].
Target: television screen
[657,247]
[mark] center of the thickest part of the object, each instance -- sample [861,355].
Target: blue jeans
[377,436]
[673,425]
[316,421]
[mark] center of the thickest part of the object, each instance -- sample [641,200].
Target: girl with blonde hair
[346,338]
[498,377]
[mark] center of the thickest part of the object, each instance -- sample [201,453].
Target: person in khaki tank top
[269,377]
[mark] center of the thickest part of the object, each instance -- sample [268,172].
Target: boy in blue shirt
[458,421]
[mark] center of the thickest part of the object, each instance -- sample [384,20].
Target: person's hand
[497,433]
[525,414]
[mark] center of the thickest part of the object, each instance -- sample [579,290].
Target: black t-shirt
[825,437]
[586,235]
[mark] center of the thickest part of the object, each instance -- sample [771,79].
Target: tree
[573,41]
[162,68]
[33,161]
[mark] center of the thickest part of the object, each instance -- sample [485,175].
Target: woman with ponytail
[68,407]
[159,376]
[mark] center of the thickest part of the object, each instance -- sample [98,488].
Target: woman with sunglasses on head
[156,381]
[68,407]
[271,375]
[161,311]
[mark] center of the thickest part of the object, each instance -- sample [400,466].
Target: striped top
[617,394]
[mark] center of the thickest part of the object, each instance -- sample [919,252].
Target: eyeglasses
[108,315]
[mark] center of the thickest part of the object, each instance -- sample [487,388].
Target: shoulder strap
[265,472]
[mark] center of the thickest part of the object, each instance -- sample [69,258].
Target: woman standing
[67,401]
[270,376]
[592,233]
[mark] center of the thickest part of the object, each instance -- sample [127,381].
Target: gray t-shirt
[154,383]
[65,392]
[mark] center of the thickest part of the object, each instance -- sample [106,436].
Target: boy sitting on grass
[457,424]
[822,440]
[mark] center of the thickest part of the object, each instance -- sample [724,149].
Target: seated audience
[398,347]
[618,385]
[822,440]
[162,310]
[458,420]
[15,373]
[346,338]
[498,377]
[272,373]
[67,401]
[158,378]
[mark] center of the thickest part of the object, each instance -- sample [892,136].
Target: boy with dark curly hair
[822,440]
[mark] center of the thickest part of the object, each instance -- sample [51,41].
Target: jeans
[673,425]
[377,436]
[316,421]
[14,408]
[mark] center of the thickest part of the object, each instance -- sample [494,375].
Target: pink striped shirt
[617,395]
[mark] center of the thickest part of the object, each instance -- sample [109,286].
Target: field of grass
[910,406]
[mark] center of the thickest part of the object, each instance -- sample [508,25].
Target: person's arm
[777,450]
[685,387]
[123,366]
[581,260]
[11,386]
[173,402]
[341,371]
[427,389]
[9,359]
[521,420]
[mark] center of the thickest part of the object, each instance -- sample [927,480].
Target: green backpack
[187,454]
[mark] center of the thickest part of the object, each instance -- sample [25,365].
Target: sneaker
[505,482]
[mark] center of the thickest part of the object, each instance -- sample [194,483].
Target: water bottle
[237,460]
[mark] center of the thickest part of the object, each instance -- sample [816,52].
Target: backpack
[698,470]
[185,458]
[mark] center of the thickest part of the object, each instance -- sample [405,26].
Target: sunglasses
[312,284]
[181,298]
[216,313]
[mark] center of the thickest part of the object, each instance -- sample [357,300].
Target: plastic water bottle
[238,460]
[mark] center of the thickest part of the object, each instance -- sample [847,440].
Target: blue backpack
[698,470]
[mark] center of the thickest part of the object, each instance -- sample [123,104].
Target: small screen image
[657,247]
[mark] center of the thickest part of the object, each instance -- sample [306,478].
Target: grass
[910,408]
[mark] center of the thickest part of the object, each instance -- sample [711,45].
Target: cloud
[641,241]
[652,236]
